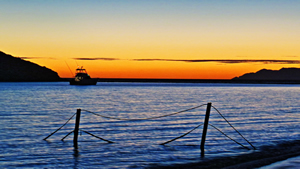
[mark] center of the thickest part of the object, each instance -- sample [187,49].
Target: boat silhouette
[82,78]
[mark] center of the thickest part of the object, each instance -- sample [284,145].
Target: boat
[82,78]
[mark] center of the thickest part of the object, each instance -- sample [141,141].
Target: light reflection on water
[264,114]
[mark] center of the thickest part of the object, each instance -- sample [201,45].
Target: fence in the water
[205,125]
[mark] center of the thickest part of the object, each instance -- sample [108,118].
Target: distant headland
[265,74]
[284,75]
[15,69]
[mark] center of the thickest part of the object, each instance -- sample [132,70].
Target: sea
[37,120]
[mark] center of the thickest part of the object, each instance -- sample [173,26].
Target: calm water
[264,114]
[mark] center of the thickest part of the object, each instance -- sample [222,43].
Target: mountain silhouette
[15,69]
[288,74]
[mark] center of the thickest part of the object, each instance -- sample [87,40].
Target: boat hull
[84,82]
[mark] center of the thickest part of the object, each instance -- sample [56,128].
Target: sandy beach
[261,157]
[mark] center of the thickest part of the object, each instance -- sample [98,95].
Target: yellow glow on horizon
[58,56]
[156,69]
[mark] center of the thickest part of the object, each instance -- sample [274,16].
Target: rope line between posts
[150,118]
[198,127]
[228,136]
[97,136]
[233,127]
[67,135]
[181,135]
[156,117]
[60,127]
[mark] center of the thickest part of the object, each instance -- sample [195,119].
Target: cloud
[224,61]
[37,58]
[228,61]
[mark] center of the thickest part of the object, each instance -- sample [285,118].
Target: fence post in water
[205,128]
[76,128]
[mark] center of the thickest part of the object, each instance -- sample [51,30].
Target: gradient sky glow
[55,32]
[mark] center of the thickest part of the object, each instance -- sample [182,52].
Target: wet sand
[261,157]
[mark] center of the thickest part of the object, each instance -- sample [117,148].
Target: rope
[59,128]
[234,128]
[181,135]
[156,117]
[228,136]
[151,118]
[199,126]
[67,135]
[97,136]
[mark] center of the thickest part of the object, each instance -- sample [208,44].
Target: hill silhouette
[284,74]
[15,69]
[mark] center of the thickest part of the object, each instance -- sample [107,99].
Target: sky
[176,39]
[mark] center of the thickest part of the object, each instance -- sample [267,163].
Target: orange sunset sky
[185,39]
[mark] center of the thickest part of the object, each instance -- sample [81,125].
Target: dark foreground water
[263,114]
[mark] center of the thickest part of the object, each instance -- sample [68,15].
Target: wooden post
[205,128]
[76,128]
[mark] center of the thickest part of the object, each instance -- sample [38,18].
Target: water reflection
[76,156]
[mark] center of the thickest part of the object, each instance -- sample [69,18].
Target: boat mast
[69,68]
